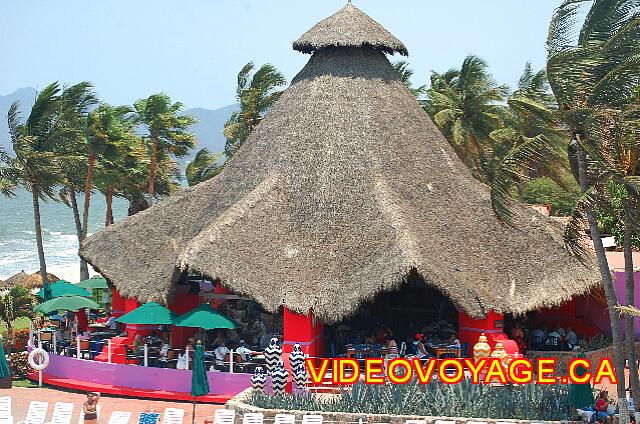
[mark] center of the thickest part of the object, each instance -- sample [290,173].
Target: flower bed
[397,403]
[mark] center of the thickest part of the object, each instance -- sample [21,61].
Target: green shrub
[19,365]
[527,402]
[545,191]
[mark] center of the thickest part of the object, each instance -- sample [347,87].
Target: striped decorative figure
[272,354]
[279,377]
[296,358]
[300,376]
[258,379]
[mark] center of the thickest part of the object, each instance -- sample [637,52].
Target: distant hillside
[210,125]
[26,96]
[208,129]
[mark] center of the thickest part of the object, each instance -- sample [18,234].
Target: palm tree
[16,303]
[36,140]
[168,133]
[532,143]
[107,127]
[595,70]
[203,167]
[256,93]
[405,73]
[466,105]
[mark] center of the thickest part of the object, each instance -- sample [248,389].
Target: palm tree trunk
[634,381]
[35,192]
[84,269]
[109,214]
[609,289]
[87,195]
[153,168]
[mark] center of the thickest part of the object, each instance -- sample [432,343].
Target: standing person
[571,338]
[90,408]
[392,347]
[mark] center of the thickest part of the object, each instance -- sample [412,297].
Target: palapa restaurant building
[346,196]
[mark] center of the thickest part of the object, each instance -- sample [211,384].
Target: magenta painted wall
[142,377]
[598,313]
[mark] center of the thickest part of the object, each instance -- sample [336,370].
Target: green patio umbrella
[150,313]
[61,288]
[199,382]
[205,317]
[95,282]
[67,302]
[4,367]
[581,395]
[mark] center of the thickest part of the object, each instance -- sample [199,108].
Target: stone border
[238,404]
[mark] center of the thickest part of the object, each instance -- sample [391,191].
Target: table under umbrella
[95,282]
[150,314]
[62,288]
[65,302]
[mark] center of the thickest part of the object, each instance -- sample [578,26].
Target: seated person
[453,341]
[245,352]
[421,350]
[553,341]
[602,407]
[571,338]
[220,353]
[111,323]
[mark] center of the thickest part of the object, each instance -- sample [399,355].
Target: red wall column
[117,303]
[303,329]
[492,326]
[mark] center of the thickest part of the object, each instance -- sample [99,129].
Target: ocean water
[18,249]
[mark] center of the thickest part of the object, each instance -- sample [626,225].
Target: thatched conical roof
[342,190]
[29,281]
[349,27]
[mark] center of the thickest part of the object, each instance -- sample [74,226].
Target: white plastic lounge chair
[81,419]
[120,417]
[416,422]
[36,413]
[5,410]
[445,422]
[479,422]
[62,412]
[173,416]
[224,416]
[284,419]
[253,418]
[312,419]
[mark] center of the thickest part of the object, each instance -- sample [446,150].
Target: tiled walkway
[22,396]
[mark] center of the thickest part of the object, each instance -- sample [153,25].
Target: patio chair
[5,410]
[476,422]
[416,422]
[173,416]
[252,418]
[81,417]
[445,422]
[62,412]
[224,416]
[312,419]
[36,413]
[284,419]
[120,417]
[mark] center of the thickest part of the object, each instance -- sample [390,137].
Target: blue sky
[193,49]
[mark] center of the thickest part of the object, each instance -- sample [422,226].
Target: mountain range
[208,130]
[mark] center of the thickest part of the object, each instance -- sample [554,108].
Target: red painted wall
[470,330]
